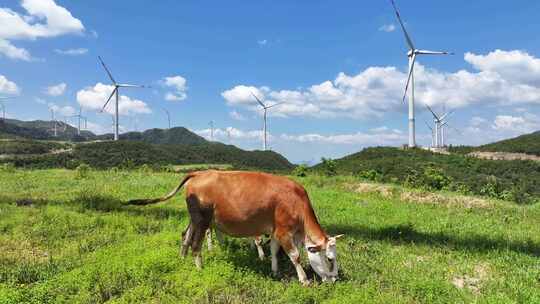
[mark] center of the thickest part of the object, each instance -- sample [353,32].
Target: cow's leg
[288,244]
[187,238]
[198,236]
[274,248]
[260,251]
[209,239]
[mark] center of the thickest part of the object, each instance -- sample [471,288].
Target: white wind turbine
[168,116]
[411,54]
[117,86]
[265,108]
[2,100]
[79,118]
[440,123]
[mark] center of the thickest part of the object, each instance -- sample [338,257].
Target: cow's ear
[313,248]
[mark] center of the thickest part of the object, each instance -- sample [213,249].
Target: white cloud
[262,42]
[236,116]
[517,66]
[223,134]
[44,19]
[178,83]
[56,90]
[94,98]
[12,52]
[378,90]
[387,28]
[7,86]
[62,111]
[378,136]
[516,124]
[72,52]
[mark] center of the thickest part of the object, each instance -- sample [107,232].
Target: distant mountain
[42,130]
[173,136]
[175,146]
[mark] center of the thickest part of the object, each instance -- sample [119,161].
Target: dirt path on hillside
[504,156]
[58,151]
[423,197]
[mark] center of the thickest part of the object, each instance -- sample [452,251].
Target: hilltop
[527,144]
[515,180]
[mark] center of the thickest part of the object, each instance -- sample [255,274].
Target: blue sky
[340,68]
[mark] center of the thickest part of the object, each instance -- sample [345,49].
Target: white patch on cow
[324,262]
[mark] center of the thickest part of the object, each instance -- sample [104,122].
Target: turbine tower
[168,116]
[440,123]
[79,117]
[265,109]
[411,55]
[117,86]
[53,119]
[2,100]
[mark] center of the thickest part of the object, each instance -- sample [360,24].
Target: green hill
[176,136]
[516,180]
[41,129]
[130,154]
[527,143]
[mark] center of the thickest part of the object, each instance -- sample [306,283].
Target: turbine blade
[447,114]
[428,125]
[407,37]
[426,52]
[276,104]
[435,115]
[258,100]
[107,70]
[125,85]
[112,94]
[411,69]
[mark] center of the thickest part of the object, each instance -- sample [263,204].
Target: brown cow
[250,204]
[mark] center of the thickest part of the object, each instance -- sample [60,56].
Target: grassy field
[66,238]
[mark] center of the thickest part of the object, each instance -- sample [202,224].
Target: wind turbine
[117,87]
[432,134]
[53,119]
[2,100]
[440,123]
[411,55]
[168,116]
[79,117]
[265,108]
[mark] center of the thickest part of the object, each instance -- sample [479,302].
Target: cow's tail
[143,202]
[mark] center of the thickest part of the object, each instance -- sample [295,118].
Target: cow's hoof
[306,283]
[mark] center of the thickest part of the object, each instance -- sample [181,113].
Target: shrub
[371,174]
[435,179]
[329,166]
[82,171]
[300,171]
[145,168]
[7,167]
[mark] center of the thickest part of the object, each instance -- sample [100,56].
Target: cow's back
[247,203]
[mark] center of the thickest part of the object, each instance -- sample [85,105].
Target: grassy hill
[527,143]
[173,136]
[130,154]
[511,180]
[41,129]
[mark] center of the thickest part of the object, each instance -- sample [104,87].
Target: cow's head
[323,258]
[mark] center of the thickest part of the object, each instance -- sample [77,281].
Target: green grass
[70,240]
